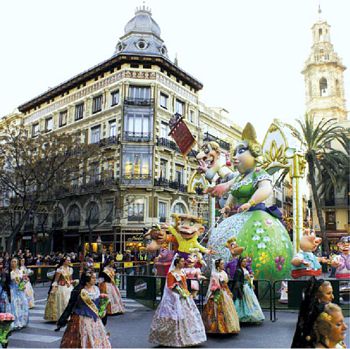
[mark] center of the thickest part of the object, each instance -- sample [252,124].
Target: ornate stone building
[124,104]
[325,98]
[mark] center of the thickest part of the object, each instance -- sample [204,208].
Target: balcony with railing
[108,141]
[131,136]
[136,179]
[178,186]
[161,182]
[139,101]
[210,138]
[135,218]
[167,143]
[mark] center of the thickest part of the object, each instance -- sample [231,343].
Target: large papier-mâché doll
[255,226]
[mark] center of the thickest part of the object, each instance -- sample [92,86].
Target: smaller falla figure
[193,273]
[186,231]
[305,263]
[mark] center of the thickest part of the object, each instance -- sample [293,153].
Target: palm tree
[316,139]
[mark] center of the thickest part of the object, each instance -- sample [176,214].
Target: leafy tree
[34,170]
[323,161]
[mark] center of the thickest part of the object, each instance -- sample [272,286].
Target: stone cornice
[106,66]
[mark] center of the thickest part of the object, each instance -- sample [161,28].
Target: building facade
[124,104]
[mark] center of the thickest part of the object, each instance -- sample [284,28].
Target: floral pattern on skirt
[177,322]
[29,292]
[116,305]
[84,332]
[19,307]
[221,316]
[248,308]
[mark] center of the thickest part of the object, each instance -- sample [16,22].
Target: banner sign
[181,135]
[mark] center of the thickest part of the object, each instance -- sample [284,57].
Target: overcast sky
[248,54]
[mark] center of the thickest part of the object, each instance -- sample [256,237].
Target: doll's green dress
[263,235]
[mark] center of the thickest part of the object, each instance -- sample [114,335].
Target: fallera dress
[58,299]
[109,287]
[219,313]
[85,328]
[246,302]
[19,303]
[177,321]
[263,235]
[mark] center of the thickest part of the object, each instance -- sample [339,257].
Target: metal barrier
[124,268]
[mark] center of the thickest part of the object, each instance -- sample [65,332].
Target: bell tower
[323,76]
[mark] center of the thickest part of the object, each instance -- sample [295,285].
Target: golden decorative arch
[196,180]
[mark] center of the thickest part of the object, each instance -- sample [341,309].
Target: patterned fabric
[84,331]
[177,321]
[248,307]
[5,306]
[29,292]
[219,313]
[264,237]
[59,298]
[116,305]
[19,302]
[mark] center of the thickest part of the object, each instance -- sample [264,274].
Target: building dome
[142,23]
[142,36]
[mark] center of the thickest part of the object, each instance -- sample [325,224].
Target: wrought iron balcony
[139,101]
[105,142]
[167,143]
[137,136]
[135,218]
[161,182]
[136,179]
[210,138]
[178,186]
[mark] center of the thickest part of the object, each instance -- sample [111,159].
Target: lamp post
[297,172]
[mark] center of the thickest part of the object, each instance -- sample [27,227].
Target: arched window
[92,213]
[179,208]
[323,87]
[57,218]
[74,216]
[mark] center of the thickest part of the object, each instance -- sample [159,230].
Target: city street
[131,330]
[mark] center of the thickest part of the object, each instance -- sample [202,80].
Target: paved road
[131,330]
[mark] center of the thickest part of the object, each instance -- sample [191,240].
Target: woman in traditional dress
[316,295]
[59,291]
[330,328]
[108,286]
[177,321]
[255,226]
[246,302]
[5,306]
[29,292]
[85,328]
[19,303]
[219,313]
